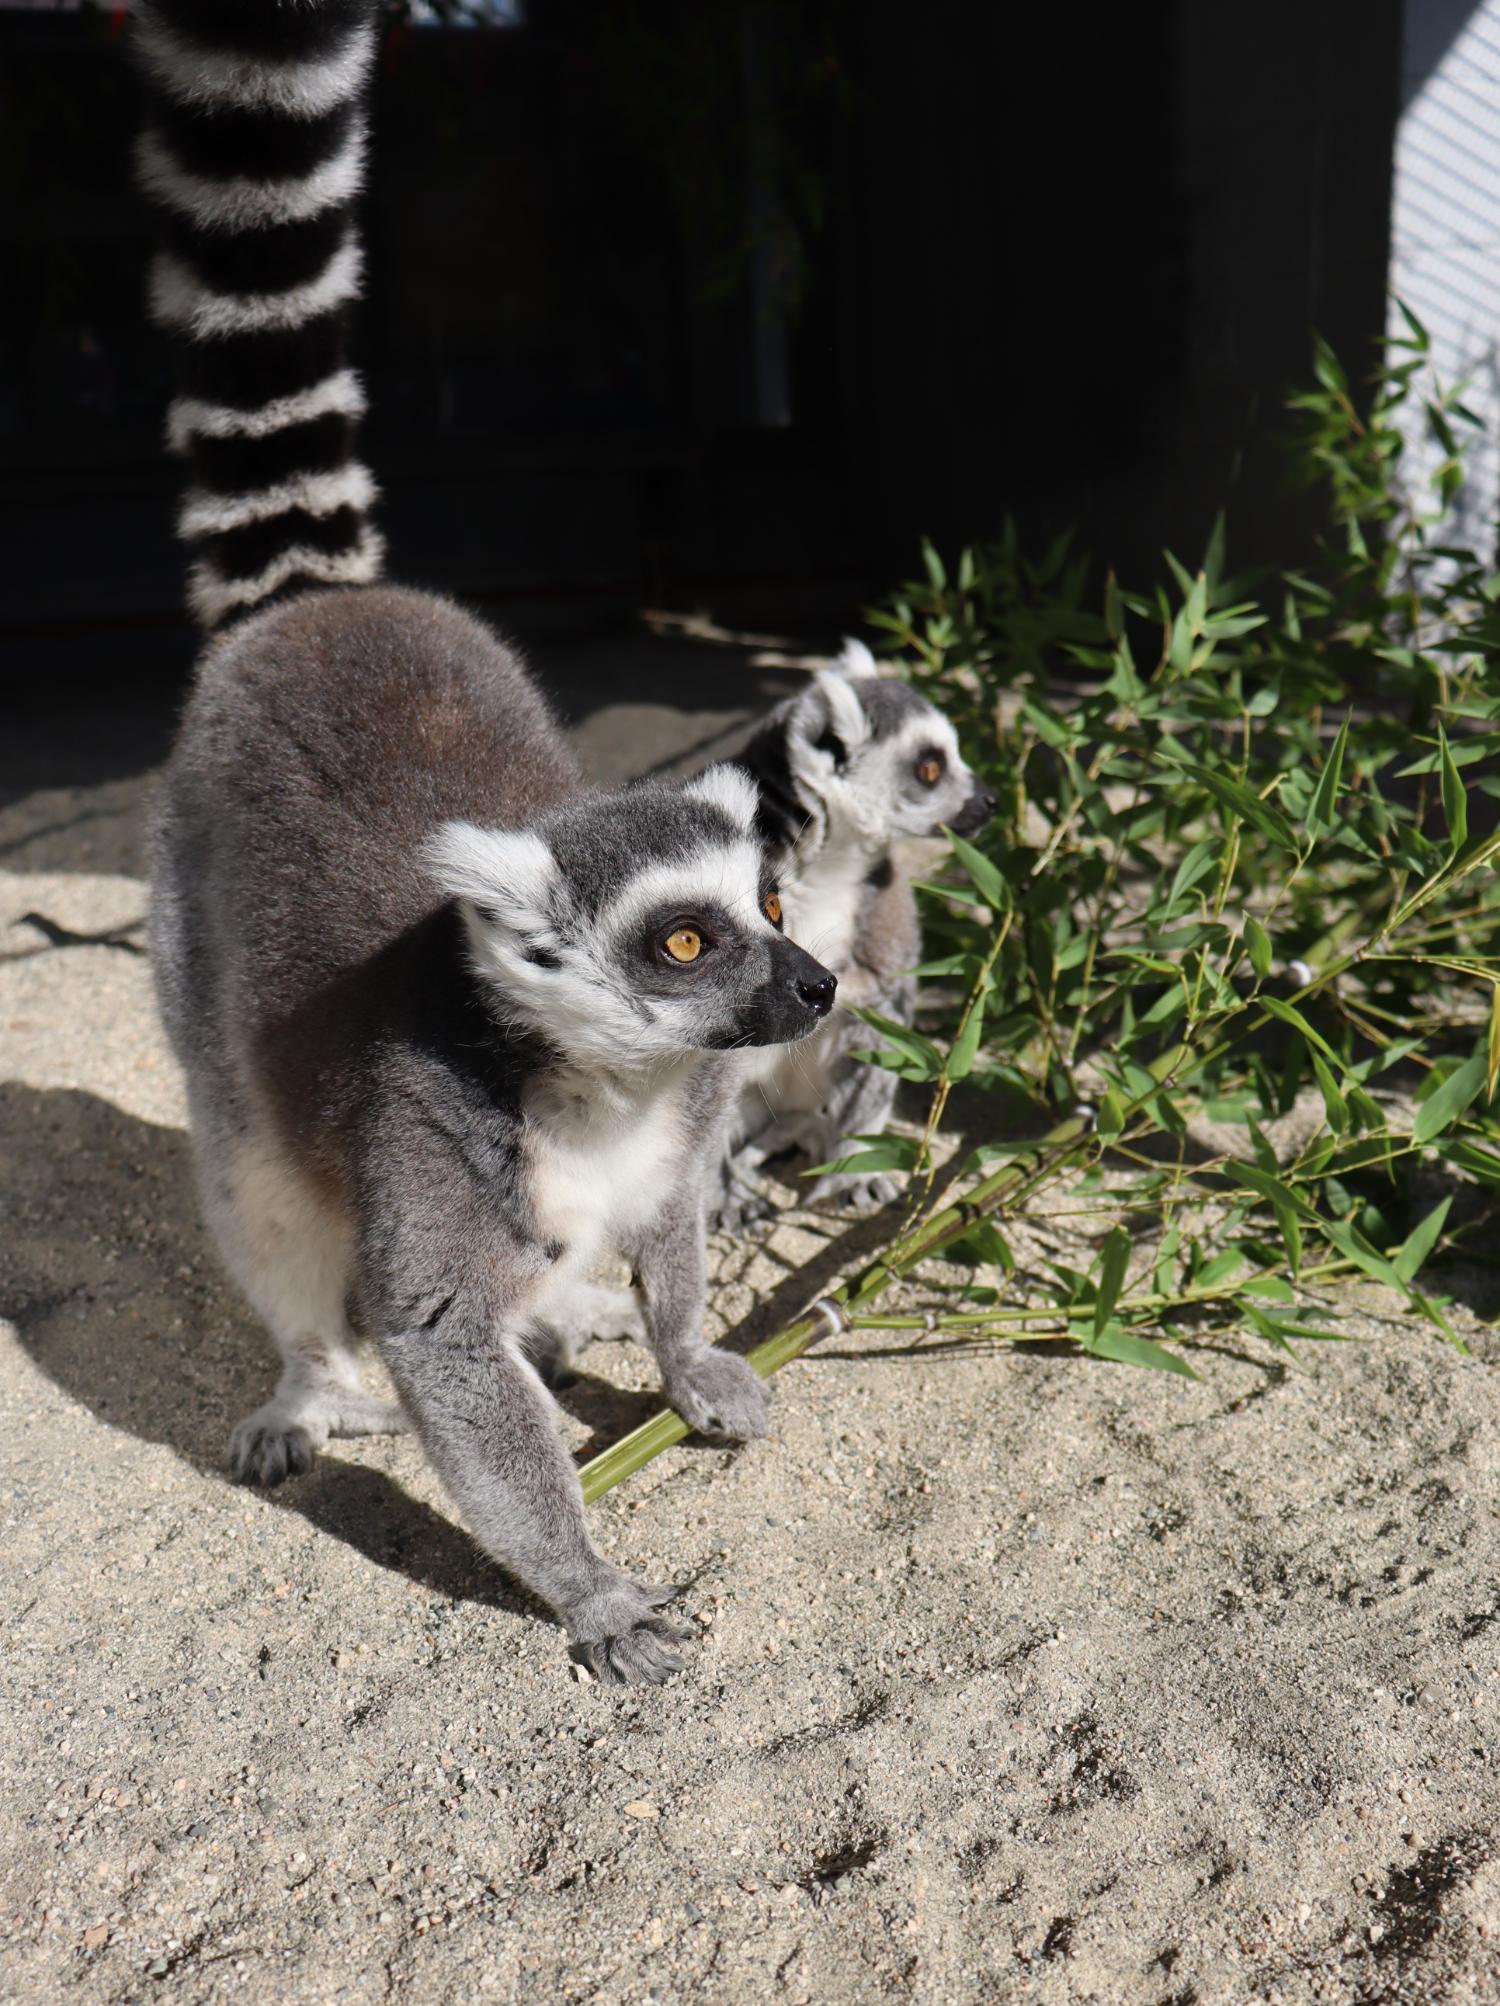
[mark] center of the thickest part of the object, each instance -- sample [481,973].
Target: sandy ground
[1020,1677]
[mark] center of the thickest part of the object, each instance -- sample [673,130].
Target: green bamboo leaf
[1433,1312]
[1327,367]
[985,875]
[1492,1060]
[1220,1268]
[1049,729]
[1419,1243]
[1372,1152]
[1265,1155]
[1111,1116]
[966,1044]
[1442,1108]
[1333,1100]
[1181,573]
[1127,1349]
[1266,1325]
[902,1036]
[1420,338]
[959,894]
[1238,799]
[1167,1008]
[1199,859]
[1455,801]
[1321,816]
[1363,1112]
[1164,1272]
[1259,943]
[1270,1288]
[990,1246]
[1282,1327]
[947,964]
[1290,1014]
[1213,557]
[1472,857]
[916,1070]
[895,1152]
[1481,1163]
[1355,1247]
[1283,1201]
[1112,1265]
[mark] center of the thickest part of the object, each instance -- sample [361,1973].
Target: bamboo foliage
[1243,871]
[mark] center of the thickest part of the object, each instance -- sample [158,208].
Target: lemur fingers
[721,1396]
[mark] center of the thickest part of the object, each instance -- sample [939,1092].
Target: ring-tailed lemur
[845,770]
[451,1023]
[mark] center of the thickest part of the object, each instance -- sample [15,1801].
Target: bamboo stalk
[642,1445]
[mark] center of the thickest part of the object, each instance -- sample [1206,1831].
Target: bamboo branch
[940,1229]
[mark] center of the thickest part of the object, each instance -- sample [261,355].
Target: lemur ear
[731,789]
[829,721]
[509,875]
[854,660]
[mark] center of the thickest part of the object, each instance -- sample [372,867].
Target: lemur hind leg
[290,1253]
[860,1104]
[585,1310]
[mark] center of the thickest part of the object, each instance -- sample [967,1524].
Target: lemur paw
[856,1194]
[745,1214]
[598,1310]
[622,1641]
[268,1446]
[717,1393]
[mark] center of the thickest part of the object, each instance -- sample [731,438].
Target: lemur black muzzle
[794,1001]
[976,811]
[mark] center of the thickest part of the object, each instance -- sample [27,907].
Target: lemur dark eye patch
[831,743]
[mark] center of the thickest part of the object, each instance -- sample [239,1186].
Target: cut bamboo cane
[613,1465]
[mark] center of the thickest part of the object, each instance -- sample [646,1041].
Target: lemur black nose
[818,995]
[976,811]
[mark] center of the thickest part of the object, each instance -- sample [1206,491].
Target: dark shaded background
[681,299]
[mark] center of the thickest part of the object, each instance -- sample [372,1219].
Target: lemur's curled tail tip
[253,158]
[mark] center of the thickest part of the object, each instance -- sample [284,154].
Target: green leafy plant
[1243,870]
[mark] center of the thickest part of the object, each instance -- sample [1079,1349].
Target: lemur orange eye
[684,945]
[773,908]
[930,769]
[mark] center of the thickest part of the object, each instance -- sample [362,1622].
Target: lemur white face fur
[873,759]
[622,971]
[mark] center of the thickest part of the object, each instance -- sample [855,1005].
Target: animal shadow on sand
[115,1289]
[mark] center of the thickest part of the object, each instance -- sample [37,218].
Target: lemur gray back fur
[845,770]
[453,1026]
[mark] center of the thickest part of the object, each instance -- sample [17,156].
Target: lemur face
[877,754]
[631,928]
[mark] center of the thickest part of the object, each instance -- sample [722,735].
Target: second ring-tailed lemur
[845,770]
[451,1023]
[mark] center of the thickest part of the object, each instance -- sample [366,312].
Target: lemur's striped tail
[253,154]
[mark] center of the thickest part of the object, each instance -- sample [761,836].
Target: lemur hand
[717,1393]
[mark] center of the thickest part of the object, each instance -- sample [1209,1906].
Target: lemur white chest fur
[603,1158]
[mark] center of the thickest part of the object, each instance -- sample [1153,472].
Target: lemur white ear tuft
[731,789]
[509,874]
[855,660]
[830,719]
